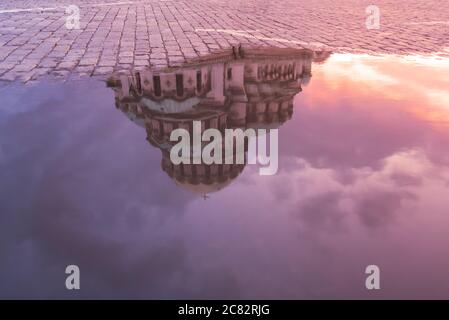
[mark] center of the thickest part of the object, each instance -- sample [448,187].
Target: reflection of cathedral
[239,88]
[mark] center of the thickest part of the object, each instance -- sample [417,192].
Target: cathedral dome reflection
[238,88]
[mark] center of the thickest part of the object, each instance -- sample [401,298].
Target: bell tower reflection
[239,88]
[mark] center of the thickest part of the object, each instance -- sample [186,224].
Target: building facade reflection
[239,88]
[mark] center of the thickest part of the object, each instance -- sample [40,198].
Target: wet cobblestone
[115,35]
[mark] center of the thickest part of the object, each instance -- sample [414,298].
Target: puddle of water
[363,179]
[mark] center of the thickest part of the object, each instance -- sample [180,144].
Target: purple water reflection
[363,179]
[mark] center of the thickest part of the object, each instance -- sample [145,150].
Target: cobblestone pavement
[120,34]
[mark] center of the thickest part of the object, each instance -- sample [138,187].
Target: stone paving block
[159,32]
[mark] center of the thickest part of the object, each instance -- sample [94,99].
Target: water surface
[363,179]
